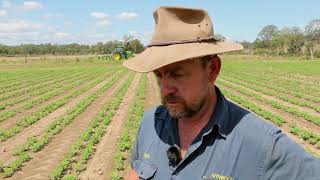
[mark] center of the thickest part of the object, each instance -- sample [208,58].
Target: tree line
[129,42]
[286,41]
[270,41]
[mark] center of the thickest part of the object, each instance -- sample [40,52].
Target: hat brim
[158,56]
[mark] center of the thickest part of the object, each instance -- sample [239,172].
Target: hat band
[166,43]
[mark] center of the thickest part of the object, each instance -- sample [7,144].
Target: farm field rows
[285,93]
[79,120]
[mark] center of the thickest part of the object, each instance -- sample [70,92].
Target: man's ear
[215,66]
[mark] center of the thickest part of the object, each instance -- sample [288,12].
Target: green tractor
[120,53]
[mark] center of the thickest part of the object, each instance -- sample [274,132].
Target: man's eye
[178,75]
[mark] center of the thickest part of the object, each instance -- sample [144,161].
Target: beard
[183,109]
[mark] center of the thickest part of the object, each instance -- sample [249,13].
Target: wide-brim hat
[180,34]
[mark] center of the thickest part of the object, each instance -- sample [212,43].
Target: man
[197,134]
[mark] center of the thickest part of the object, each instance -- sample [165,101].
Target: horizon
[42,22]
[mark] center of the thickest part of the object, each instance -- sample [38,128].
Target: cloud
[104,22]
[25,7]
[56,38]
[53,16]
[102,18]
[144,36]
[30,6]
[3,13]
[127,15]
[18,26]
[99,15]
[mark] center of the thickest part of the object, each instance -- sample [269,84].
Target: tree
[126,40]
[312,31]
[267,34]
[136,46]
[219,37]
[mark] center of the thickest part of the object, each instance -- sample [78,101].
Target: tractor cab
[119,53]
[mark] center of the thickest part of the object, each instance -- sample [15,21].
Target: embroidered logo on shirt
[146,155]
[216,176]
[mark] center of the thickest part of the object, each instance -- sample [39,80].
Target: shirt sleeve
[287,160]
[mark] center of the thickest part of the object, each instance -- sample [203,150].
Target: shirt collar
[219,117]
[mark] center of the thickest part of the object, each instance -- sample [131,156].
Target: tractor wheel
[116,56]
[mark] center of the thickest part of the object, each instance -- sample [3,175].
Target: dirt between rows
[285,128]
[152,99]
[57,80]
[8,146]
[10,122]
[287,116]
[102,163]
[302,108]
[48,158]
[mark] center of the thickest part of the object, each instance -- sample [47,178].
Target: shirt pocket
[146,170]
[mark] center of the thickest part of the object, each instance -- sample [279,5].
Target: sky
[92,21]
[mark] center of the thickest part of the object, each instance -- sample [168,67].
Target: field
[69,119]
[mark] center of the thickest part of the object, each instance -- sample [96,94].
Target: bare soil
[46,160]
[290,119]
[40,126]
[101,165]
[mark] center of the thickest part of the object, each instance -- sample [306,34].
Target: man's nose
[167,87]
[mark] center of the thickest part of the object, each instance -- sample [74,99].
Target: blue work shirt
[234,145]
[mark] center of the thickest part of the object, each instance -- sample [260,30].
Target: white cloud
[99,15]
[104,22]
[127,15]
[56,37]
[25,7]
[144,36]
[102,18]
[53,16]
[31,5]
[3,13]
[18,26]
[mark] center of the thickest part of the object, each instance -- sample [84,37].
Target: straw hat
[180,34]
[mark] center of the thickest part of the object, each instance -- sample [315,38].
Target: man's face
[184,86]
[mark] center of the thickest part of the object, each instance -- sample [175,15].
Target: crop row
[35,144]
[9,76]
[272,91]
[126,140]
[24,79]
[47,109]
[74,162]
[289,109]
[23,83]
[40,89]
[278,120]
[31,89]
[32,102]
[277,86]
[274,79]
[306,135]
[298,80]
